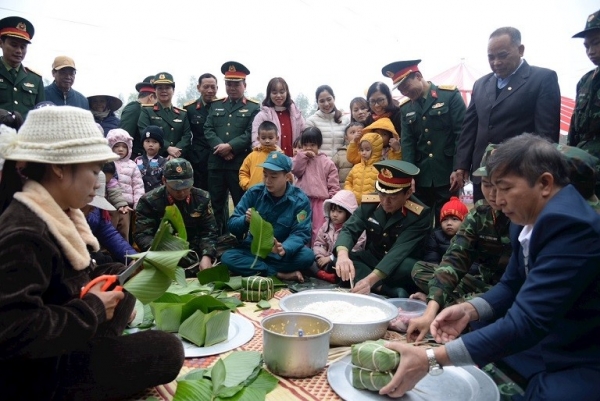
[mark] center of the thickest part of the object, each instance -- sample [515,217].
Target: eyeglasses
[381,101]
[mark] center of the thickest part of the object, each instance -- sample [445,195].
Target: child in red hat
[451,217]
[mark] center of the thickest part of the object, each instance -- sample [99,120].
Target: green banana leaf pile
[239,376]
[374,365]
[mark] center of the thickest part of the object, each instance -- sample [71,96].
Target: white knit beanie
[59,135]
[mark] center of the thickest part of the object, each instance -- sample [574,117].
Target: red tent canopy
[464,76]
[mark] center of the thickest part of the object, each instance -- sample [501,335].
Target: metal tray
[465,383]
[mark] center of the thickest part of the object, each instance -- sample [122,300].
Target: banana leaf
[191,390]
[206,329]
[371,380]
[255,296]
[262,235]
[148,284]
[167,316]
[373,355]
[219,273]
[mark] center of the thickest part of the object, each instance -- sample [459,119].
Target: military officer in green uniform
[584,131]
[475,260]
[194,205]
[197,111]
[228,131]
[173,120]
[432,118]
[131,113]
[396,224]
[20,88]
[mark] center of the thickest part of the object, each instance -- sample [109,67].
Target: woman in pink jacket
[279,108]
[316,175]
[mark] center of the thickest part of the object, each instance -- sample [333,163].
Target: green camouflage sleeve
[203,238]
[147,221]
[456,261]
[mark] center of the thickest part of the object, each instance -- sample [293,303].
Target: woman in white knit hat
[54,344]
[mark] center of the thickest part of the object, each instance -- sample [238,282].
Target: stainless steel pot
[345,333]
[295,344]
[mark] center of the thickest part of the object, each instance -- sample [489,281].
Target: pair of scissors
[113,279]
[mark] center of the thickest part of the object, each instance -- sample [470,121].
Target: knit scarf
[70,229]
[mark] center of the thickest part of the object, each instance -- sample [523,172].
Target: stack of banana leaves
[374,365]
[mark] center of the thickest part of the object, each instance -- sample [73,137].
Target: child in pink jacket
[337,210]
[128,175]
[316,175]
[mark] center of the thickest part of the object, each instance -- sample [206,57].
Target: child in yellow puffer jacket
[361,179]
[391,141]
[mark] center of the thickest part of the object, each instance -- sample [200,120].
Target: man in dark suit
[549,296]
[513,99]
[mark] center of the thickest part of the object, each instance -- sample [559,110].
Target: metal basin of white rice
[346,333]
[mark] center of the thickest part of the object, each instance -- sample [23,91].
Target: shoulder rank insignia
[370,198]
[437,105]
[253,100]
[447,87]
[27,69]
[186,104]
[176,109]
[413,207]
[147,105]
[403,102]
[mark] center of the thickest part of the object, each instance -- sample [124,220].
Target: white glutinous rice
[344,312]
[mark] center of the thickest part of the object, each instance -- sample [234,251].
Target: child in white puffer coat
[129,176]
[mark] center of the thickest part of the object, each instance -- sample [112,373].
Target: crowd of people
[367,200]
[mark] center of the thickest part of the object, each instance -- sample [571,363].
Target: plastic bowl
[407,309]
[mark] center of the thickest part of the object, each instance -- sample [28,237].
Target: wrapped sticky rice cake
[373,355]
[257,283]
[255,296]
[364,379]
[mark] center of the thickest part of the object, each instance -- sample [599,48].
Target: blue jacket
[555,302]
[290,216]
[108,237]
[110,122]
[73,98]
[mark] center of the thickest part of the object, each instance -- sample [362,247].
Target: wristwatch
[435,368]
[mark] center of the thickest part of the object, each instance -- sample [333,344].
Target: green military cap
[482,170]
[17,27]
[582,166]
[234,71]
[146,85]
[399,70]
[277,161]
[592,24]
[394,175]
[179,174]
[113,103]
[163,78]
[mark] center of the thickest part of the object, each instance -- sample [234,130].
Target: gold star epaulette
[147,104]
[186,104]
[447,87]
[413,207]
[370,198]
[32,71]
[253,100]
[403,102]
[180,109]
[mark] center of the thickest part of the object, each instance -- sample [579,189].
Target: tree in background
[190,93]
[306,107]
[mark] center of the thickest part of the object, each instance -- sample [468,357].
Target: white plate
[241,330]
[466,383]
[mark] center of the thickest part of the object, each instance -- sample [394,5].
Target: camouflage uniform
[197,215]
[585,123]
[483,239]
[582,172]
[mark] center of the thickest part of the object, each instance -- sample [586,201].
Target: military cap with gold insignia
[482,170]
[394,175]
[17,27]
[399,70]
[179,174]
[163,78]
[234,71]
[146,85]
[592,24]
